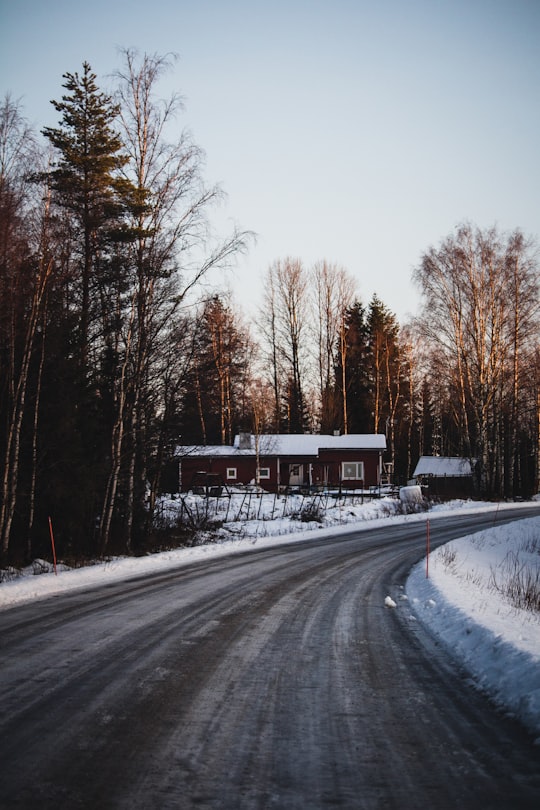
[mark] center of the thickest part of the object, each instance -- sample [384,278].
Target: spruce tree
[91,201]
[352,371]
[86,183]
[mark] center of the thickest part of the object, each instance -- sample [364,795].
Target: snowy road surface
[272,679]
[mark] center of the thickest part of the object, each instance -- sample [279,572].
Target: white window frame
[358,470]
[232,473]
[264,473]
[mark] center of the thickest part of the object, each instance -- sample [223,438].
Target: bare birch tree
[268,325]
[289,281]
[480,306]
[333,293]
[26,266]
[523,302]
[169,205]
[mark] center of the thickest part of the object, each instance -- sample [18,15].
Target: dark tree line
[112,351]
[102,244]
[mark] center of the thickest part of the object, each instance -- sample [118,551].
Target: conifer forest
[117,343]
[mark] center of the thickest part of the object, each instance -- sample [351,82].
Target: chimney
[244,441]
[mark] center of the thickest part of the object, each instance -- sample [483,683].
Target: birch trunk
[117,440]
[17,409]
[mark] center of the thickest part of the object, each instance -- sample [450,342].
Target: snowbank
[466,602]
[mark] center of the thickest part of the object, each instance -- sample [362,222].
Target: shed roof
[443,466]
[280,444]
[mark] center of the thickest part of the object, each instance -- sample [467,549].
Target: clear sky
[357,131]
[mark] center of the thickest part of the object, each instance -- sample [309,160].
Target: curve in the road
[274,679]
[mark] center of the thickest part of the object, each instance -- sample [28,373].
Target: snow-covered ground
[463,600]
[469,595]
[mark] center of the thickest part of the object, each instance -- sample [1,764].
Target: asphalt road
[271,679]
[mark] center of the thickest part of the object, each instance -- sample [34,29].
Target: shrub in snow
[518,579]
[42,567]
[9,573]
[311,512]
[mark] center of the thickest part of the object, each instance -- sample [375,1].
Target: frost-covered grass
[517,577]
[514,568]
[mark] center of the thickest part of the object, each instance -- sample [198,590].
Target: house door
[296,475]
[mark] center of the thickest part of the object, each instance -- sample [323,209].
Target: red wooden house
[280,461]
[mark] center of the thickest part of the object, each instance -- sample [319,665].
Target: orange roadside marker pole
[52,544]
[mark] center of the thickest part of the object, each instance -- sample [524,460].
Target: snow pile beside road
[471,602]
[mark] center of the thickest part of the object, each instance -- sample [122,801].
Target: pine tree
[86,184]
[91,201]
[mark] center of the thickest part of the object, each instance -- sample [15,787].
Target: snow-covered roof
[211,450]
[281,444]
[441,466]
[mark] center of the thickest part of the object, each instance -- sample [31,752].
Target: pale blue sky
[357,132]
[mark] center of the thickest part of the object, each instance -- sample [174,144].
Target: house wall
[335,458]
[244,465]
[323,471]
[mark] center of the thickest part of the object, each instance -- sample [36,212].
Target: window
[352,471]
[231,473]
[264,472]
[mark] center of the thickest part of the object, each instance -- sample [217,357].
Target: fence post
[427,548]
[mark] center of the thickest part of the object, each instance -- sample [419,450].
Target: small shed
[446,476]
